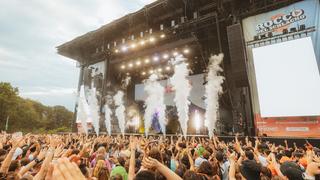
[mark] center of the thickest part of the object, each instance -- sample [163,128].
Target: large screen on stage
[288,79]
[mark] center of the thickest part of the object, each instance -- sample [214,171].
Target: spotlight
[147,61]
[138,63]
[175,53]
[142,42]
[124,48]
[155,58]
[187,64]
[123,66]
[130,65]
[168,68]
[143,73]
[151,71]
[165,56]
[160,70]
[186,51]
[162,36]
[116,50]
[133,45]
[152,39]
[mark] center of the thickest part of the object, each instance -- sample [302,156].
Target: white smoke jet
[120,110]
[213,90]
[107,116]
[94,107]
[83,111]
[154,103]
[182,88]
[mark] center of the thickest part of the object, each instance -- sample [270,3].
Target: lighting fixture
[155,58]
[142,42]
[168,68]
[138,63]
[152,39]
[147,61]
[123,66]
[124,48]
[165,56]
[143,73]
[116,50]
[186,51]
[175,53]
[160,70]
[162,36]
[151,71]
[130,65]
[133,45]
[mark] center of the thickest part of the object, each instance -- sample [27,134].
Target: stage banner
[305,14]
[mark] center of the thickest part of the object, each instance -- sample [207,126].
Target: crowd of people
[102,157]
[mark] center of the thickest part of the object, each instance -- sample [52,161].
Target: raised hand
[65,170]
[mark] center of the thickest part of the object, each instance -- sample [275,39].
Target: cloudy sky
[30,31]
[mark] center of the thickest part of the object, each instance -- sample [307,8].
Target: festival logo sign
[280,21]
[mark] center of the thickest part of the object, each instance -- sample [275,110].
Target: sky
[30,31]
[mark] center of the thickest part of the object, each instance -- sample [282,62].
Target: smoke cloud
[107,118]
[213,90]
[182,89]
[154,103]
[120,110]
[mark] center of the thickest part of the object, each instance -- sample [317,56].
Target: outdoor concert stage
[121,54]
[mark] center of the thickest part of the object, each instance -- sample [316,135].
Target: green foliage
[31,116]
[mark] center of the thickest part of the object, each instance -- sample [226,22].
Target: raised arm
[165,171]
[132,163]
[6,162]
[26,168]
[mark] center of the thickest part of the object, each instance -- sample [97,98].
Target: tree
[31,116]
[8,100]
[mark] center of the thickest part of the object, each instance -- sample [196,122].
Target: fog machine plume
[94,107]
[107,118]
[83,111]
[212,91]
[120,110]
[182,89]
[154,103]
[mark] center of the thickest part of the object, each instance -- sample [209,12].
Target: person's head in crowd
[206,168]
[249,154]
[250,169]
[291,170]
[100,171]
[145,175]
[180,170]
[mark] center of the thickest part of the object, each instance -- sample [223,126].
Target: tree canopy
[27,115]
